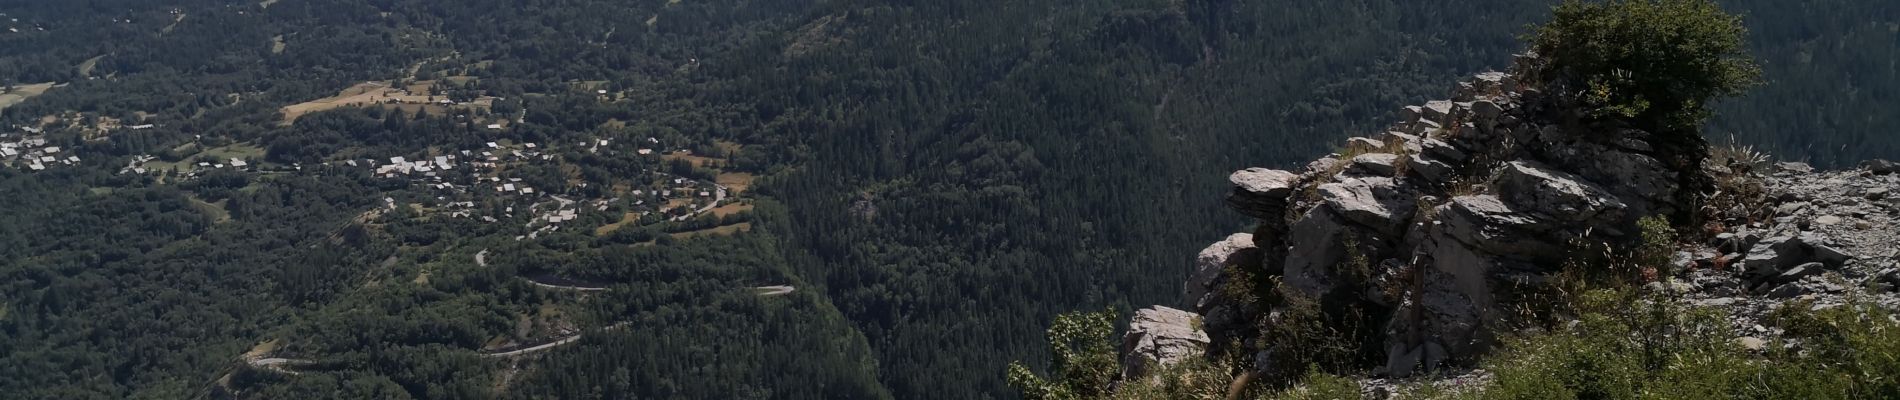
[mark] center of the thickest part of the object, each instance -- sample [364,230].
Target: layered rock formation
[1437,222]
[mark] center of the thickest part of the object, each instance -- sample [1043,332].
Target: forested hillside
[937,179]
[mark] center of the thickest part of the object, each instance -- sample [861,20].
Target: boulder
[1486,111]
[1379,203]
[1492,83]
[1314,245]
[1775,256]
[1644,184]
[1224,317]
[1438,111]
[1426,127]
[1431,170]
[1159,337]
[1442,150]
[1795,167]
[1798,272]
[1531,186]
[1364,145]
[1407,143]
[1261,193]
[1379,164]
[1880,166]
[1486,223]
[1237,250]
[1319,167]
[1453,300]
[1401,362]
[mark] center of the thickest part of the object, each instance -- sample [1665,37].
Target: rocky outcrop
[1427,223]
[1261,193]
[1159,337]
[1436,223]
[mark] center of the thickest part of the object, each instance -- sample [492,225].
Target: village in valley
[444,155]
[479,183]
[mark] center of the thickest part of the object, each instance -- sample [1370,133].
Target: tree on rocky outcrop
[1655,64]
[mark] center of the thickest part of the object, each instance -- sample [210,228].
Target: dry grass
[22,92]
[727,147]
[1738,157]
[214,210]
[737,181]
[625,219]
[263,349]
[697,160]
[85,67]
[727,230]
[370,93]
[730,209]
[676,203]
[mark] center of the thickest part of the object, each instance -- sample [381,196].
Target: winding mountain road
[549,345]
[278,364]
[573,288]
[774,290]
[536,349]
[481,258]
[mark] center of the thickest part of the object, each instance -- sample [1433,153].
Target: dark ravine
[1433,226]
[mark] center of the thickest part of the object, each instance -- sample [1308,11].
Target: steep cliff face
[1429,235]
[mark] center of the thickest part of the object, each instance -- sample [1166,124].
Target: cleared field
[263,349]
[676,203]
[730,209]
[417,98]
[737,181]
[727,230]
[235,150]
[625,219]
[214,210]
[697,161]
[22,92]
[85,67]
[361,93]
[214,155]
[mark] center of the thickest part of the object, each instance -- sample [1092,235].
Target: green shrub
[1845,352]
[1084,359]
[1196,378]
[1320,386]
[1658,62]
